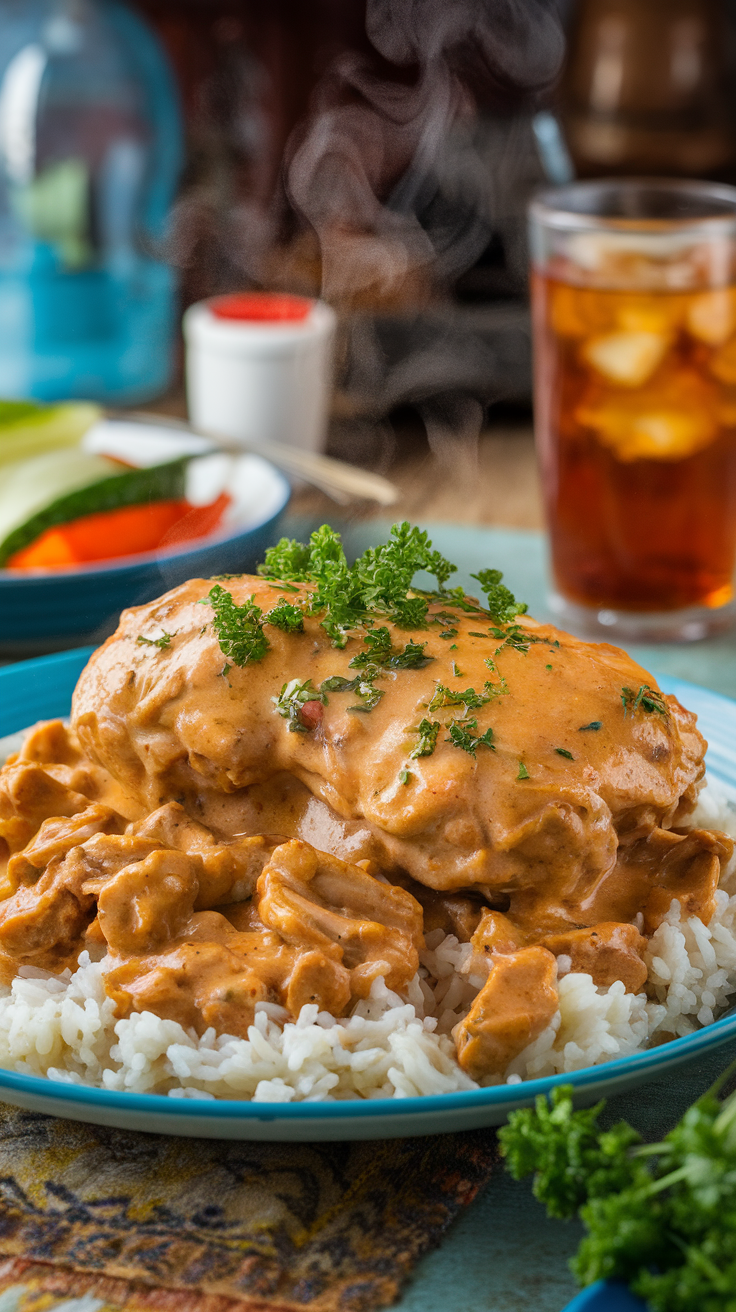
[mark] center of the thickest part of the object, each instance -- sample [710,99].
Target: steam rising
[379,153]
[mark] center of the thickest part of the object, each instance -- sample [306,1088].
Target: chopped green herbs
[449,633]
[381,583]
[548,667]
[647,698]
[523,772]
[291,701]
[239,629]
[472,634]
[562,751]
[501,602]
[224,671]
[362,684]
[515,637]
[427,730]
[381,653]
[405,776]
[594,724]
[163,641]
[286,616]
[470,699]
[378,583]
[456,673]
[462,736]
[499,689]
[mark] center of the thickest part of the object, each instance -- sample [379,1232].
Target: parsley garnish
[461,735]
[293,696]
[594,724]
[362,684]
[428,730]
[658,1217]
[286,616]
[501,602]
[562,751]
[239,629]
[377,584]
[648,698]
[470,699]
[381,653]
[523,772]
[472,634]
[163,642]
[405,776]
[515,637]
[495,690]
[456,673]
[380,584]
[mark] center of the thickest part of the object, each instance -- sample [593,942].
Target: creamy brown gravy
[215,853]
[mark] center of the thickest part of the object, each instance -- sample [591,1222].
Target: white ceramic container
[259,368]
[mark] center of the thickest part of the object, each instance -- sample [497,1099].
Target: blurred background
[381,154]
[378,154]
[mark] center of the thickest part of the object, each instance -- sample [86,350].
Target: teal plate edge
[42,688]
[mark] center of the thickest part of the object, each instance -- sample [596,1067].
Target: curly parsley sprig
[239,629]
[660,1217]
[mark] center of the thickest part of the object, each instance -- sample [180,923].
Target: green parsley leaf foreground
[660,1217]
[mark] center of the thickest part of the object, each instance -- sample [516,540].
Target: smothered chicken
[274,786]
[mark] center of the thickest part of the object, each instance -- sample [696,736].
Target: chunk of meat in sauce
[606,952]
[317,931]
[28,796]
[42,924]
[315,900]
[229,870]
[651,872]
[515,1004]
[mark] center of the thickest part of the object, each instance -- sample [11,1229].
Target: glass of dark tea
[634,310]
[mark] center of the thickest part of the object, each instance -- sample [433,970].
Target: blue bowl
[606,1296]
[44,612]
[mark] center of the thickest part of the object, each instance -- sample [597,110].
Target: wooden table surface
[489,480]
[444,476]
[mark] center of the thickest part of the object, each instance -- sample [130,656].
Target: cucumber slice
[63,485]
[27,428]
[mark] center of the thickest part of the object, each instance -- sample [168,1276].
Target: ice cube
[711,316]
[651,314]
[669,421]
[626,358]
[578,311]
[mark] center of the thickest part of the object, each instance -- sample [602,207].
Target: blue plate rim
[17,578]
[509,1095]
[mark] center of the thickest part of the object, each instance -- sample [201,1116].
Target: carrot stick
[124,532]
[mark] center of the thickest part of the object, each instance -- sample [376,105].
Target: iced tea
[636,419]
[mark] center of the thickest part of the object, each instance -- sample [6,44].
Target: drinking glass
[634,311]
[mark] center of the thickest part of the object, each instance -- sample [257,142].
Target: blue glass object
[90,155]
[606,1296]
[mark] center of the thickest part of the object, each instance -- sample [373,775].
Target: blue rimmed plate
[40,689]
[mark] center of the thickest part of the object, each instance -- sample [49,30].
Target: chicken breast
[535,811]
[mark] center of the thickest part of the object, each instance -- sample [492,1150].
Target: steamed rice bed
[65,1027]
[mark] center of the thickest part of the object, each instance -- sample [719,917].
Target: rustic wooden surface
[445,476]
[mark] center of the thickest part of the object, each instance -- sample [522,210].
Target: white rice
[64,1027]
